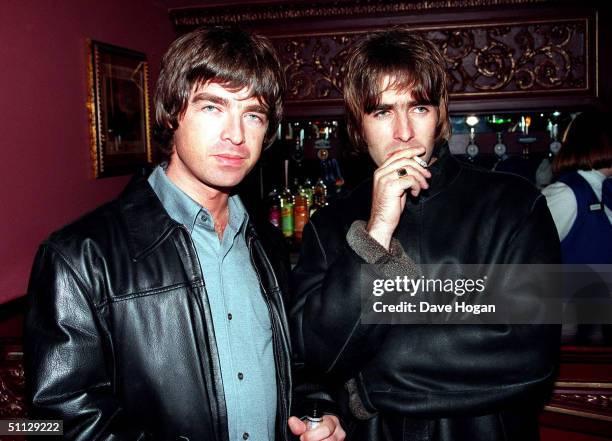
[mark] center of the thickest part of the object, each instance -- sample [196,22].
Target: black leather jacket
[430,382]
[119,341]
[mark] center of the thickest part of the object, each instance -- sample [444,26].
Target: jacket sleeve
[68,376]
[428,371]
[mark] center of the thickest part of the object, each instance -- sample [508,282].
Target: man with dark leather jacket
[418,381]
[160,314]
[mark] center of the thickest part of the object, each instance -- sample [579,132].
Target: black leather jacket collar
[146,221]
[443,171]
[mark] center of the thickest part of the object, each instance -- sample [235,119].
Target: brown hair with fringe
[232,57]
[411,63]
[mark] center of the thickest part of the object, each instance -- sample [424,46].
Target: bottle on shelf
[274,208]
[296,187]
[308,191]
[286,207]
[300,216]
[319,197]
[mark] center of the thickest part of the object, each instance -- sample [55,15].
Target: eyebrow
[257,108]
[215,99]
[203,96]
[384,106]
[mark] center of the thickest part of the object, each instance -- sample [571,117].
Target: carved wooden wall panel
[484,61]
[314,65]
[539,56]
[12,381]
[501,54]
[590,400]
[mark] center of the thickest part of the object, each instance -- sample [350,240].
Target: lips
[230,159]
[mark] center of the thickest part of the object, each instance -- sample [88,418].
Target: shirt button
[203,217]
[240,377]
[229,316]
[245,435]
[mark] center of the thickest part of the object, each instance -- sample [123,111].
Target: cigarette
[420,161]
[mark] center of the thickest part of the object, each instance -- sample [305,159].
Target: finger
[413,186]
[323,431]
[411,177]
[410,182]
[409,172]
[393,185]
[296,425]
[402,150]
[406,152]
[401,161]
[338,433]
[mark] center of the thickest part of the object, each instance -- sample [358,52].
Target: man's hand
[329,429]
[392,179]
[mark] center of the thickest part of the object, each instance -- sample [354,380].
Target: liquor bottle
[296,187]
[308,191]
[319,197]
[286,206]
[274,208]
[300,216]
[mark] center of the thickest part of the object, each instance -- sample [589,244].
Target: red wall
[45,168]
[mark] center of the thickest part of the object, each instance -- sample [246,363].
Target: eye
[209,108]
[381,113]
[256,118]
[420,109]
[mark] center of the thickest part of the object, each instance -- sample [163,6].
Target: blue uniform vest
[590,238]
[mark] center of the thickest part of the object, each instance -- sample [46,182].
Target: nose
[233,130]
[403,130]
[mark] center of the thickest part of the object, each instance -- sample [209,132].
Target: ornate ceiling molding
[484,60]
[185,18]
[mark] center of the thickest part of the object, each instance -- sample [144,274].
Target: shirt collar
[593,177]
[185,210]
[238,216]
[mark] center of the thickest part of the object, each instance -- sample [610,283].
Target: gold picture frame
[118,107]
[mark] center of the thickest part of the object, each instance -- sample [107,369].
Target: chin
[227,183]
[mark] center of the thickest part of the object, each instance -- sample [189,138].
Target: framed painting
[118,105]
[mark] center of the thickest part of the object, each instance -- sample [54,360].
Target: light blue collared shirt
[240,315]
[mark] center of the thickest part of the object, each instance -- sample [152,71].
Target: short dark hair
[587,143]
[232,57]
[410,61]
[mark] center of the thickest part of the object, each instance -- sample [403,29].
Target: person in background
[580,202]
[159,316]
[422,208]
[581,199]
